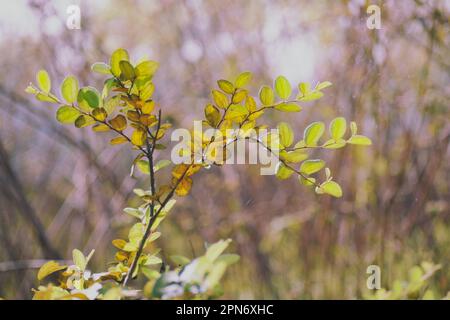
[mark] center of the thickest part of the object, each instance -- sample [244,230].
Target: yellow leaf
[138,137]
[119,123]
[118,140]
[100,128]
[212,115]
[239,96]
[266,95]
[49,268]
[44,81]
[184,187]
[226,86]
[243,79]
[220,99]
[148,107]
[99,114]
[119,243]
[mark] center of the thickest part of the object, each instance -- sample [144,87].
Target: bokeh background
[61,187]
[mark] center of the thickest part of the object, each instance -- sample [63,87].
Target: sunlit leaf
[138,137]
[338,127]
[288,107]
[69,89]
[118,140]
[293,156]
[353,128]
[360,140]
[212,115]
[99,114]
[243,79]
[83,121]
[304,88]
[127,70]
[67,114]
[283,172]
[266,95]
[283,88]
[43,81]
[49,268]
[220,99]
[313,133]
[119,122]
[323,85]
[88,98]
[101,127]
[239,96]
[226,86]
[101,67]
[331,188]
[146,68]
[161,164]
[79,259]
[184,187]
[216,249]
[116,57]
[286,134]
[311,166]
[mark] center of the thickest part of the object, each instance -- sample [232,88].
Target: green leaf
[69,89]
[43,81]
[226,86]
[313,133]
[283,88]
[146,68]
[88,97]
[311,166]
[116,57]
[67,114]
[286,134]
[338,127]
[266,95]
[283,172]
[101,67]
[79,259]
[243,79]
[288,107]
[332,188]
[127,70]
[360,140]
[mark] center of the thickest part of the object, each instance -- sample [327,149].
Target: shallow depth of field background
[62,188]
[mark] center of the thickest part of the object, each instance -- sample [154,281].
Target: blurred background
[62,188]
